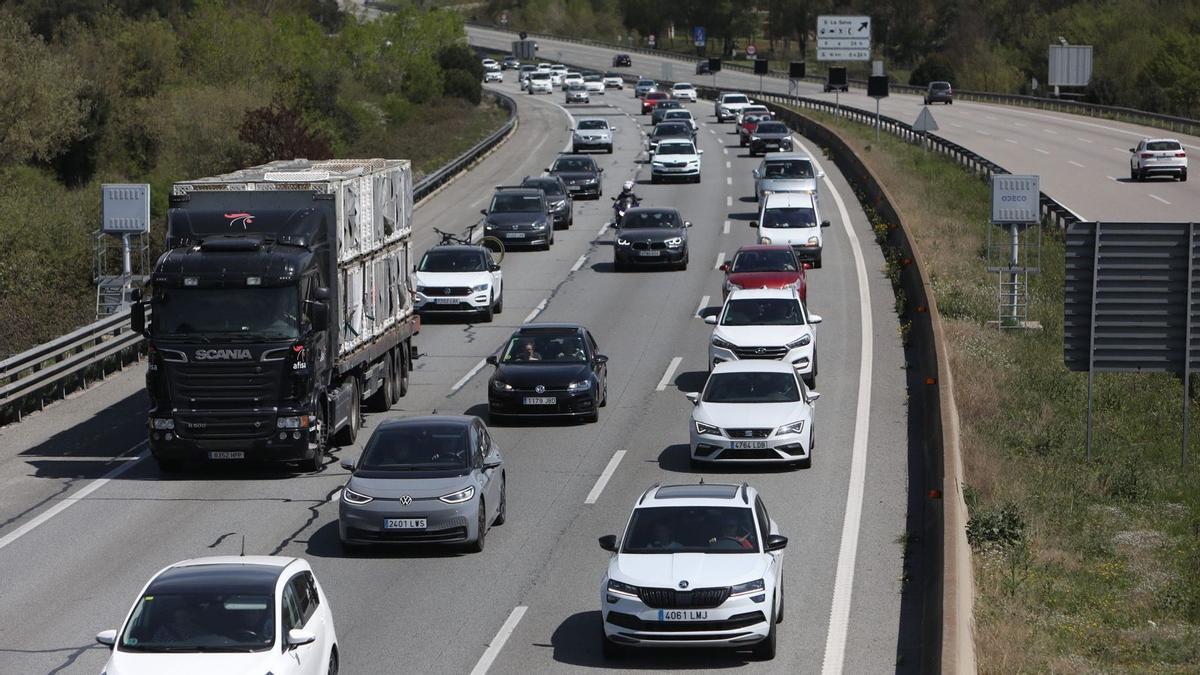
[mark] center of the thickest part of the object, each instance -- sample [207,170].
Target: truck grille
[213,385]
[775,353]
[669,598]
[213,426]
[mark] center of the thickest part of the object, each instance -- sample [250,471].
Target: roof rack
[643,497]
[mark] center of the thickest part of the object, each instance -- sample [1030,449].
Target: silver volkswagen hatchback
[424,480]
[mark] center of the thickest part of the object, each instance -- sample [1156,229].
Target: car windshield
[684,86]
[764,261]
[656,95]
[646,83]
[253,313]
[788,168]
[574,164]
[679,115]
[1163,145]
[757,110]
[201,622]
[736,98]
[576,87]
[443,260]
[592,124]
[417,446]
[591,78]
[613,75]
[789,217]
[552,188]
[537,349]
[751,387]
[772,128]
[651,219]
[763,312]
[667,105]
[516,203]
[539,75]
[691,529]
[676,149]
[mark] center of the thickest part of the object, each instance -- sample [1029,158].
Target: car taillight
[1181,154]
[1147,155]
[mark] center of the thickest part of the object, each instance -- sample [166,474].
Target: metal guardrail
[1173,123]
[59,366]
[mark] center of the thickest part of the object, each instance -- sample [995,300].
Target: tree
[279,132]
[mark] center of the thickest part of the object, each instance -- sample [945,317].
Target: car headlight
[800,343]
[578,137]
[538,225]
[674,242]
[458,497]
[351,497]
[294,422]
[693,162]
[749,587]
[813,241]
[753,138]
[723,344]
[793,428]
[622,242]
[764,240]
[620,588]
[420,289]
[500,385]
[658,165]
[582,385]
[702,428]
[479,288]
[559,204]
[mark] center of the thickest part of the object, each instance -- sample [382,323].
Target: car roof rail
[745,492]
[648,490]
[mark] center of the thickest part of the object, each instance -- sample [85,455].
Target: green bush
[996,528]
[461,84]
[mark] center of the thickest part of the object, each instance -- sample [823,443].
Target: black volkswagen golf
[548,369]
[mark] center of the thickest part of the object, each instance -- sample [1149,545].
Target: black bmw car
[653,235]
[548,369]
[580,173]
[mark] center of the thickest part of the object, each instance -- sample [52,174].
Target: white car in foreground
[755,412]
[675,158]
[1158,157]
[493,76]
[683,91]
[459,279]
[248,614]
[766,323]
[697,566]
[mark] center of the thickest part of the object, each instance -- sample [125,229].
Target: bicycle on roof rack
[490,243]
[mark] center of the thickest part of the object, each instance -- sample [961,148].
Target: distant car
[571,78]
[580,173]
[622,61]
[523,75]
[459,279]
[493,76]
[651,99]
[939,92]
[490,64]
[770,136]
[785,172]
[433,479]
[752,109]
[766,323]
[510,63]
[661,107]
[683,91]
[792,218]
[702,67]
[540,82]
[747,123]
[676,158]
[594,84]
[644,87]
[558,198]
[681,115]
[697,566]
[613,81]
[668,131]
[577,93]
[592,133]
[728,105]
[1158,157]
[244,614]
[754,411]
[548,369]
[765,266]
[655,235]
[519,217]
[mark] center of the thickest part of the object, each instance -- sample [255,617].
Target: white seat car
[765,323]
[727,106]
[592,133]
[683,91]
[493,76]
[1158,157]
[753,411]
[675,158]
[523,75]
[697,566]
[248,614]
[490,64]
[571,78]
[459,279]
[540,82]
[792,218]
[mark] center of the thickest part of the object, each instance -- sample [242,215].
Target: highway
[85,519]
[1083,161]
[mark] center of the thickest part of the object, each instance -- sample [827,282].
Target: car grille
[732,623]
[760,352]
[232,385]
[748,433]
[765,453]
[201,426]
[669,598]
[675,165]
[443,291]
[412,536]
[648,245]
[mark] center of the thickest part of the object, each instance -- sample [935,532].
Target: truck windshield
[269,313]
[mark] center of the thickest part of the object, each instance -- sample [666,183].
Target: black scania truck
[280,307]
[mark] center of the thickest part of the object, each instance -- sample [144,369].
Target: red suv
[652,98]
[763,266]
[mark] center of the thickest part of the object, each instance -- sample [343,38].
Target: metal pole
[126,267]
[1092,335]
[876,119]
[837,104]
[1014,263]
[1187,345]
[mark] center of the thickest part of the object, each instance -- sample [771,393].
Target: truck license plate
[224,454]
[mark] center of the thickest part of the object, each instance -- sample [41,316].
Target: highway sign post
[795,74]
[877,88]
[700,39]
[924,124]
[843,38]
[751,50]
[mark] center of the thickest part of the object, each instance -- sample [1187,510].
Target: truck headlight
[764,240]
[162,423]
[813,241]
[294,422]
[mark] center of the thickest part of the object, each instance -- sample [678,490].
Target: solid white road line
[602,230]
[703,304]
[579,263]
[1158,198]
[666,378]
[603,479]
[493,650]
[725,150]
[1074,163]
[956,124]
[1044,152]
[76,496]
[467,378]
[720,260]
[725,229]
[1112,178]
[536,310]
[1083,140]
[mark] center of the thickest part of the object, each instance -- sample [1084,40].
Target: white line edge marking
[1050,131]
[982,132]
[725,228]
[470,373]
[666,378]
[536,310]
[1074,163]
[78,495]
[579,263]
[604,477]
[506,630]
[603,229]
[701,306]
[1083,140]
[720,259]
[843,585]
[1153,196]
[729,180]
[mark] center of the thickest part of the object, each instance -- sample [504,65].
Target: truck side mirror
[318,312]
[137,317]
[321,293]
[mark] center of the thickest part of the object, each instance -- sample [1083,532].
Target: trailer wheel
[349,433]
[405,368]
[385,396]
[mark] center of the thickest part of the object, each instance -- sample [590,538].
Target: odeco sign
[1015,199]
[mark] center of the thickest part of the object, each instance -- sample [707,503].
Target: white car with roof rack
[765,323]
[697,566]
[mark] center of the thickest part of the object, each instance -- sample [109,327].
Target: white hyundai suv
[792,218]
[697,566]
[459,279]
[766,323]
[755,412]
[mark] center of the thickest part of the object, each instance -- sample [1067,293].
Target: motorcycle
[623,204]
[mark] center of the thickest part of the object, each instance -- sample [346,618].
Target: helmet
[627,185]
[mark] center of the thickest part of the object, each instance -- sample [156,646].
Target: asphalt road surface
[1083,161]
[85,519]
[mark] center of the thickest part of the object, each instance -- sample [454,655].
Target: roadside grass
[1080,566]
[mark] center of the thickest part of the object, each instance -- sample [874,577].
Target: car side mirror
[600,169]
[318,312]
[755,173]
[711,319]
[824,223]
[608,542]
[137,318]
[687,223]
[813,396]
[483,212]
[493,267]
[107,637]
[347,463]
[754,224]
[492,360]
[492,464]
[699,152]
[1133,149]
[776,542]
[135,294]
[693,396]
[297,637]
[615,129]
[815,318]
[601,359]
[820,174]
[807,266]
[724,267]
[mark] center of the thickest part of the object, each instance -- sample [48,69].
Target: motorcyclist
[625,200]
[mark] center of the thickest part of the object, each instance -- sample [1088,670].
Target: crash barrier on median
[54,369]
[1132,115]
